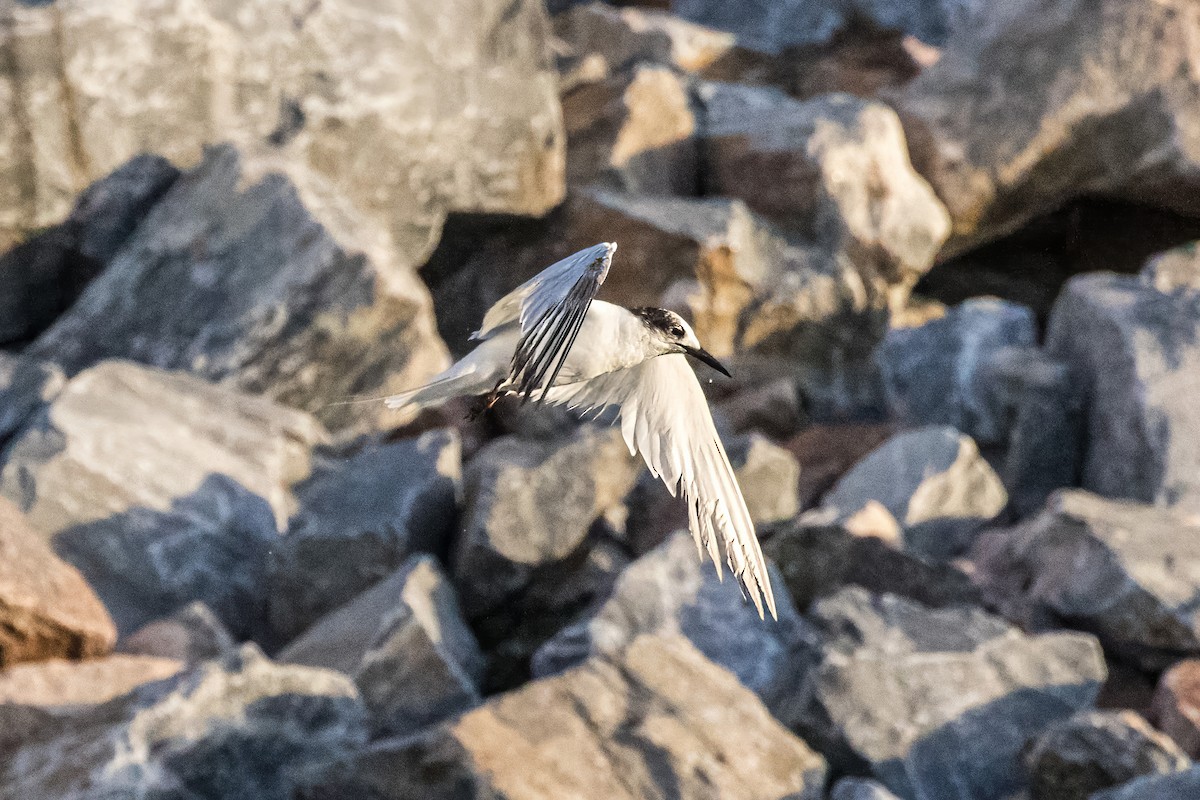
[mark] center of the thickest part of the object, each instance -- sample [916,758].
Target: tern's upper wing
[550,306]
[665,417]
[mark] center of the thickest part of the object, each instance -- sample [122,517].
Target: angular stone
[25,386]
[161,489]
[1175,269]
[242,285]
[1124,571]
[57,684]
[772,408]
[943,373]
[1035,103]
[655,720]
[1133,355]
[47,609]
[405,644]
[1178,786]
[933,481]
[938,703]
[860,789]
[1176,708]
[827,452]
[670,591]
[1095,750]
[190,635]
[362,514]
[240,727]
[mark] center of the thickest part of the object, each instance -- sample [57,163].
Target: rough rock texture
[161,489]
[1094,750]
[361,514]
[1124,571]
[671,591]
[1174,270]
[1134,356]
[1179,786]
[1039,101]
[939,703]
[817,560]
[656,720]
[945,371]
[25,386]
[1176,708]
[392,111]
[42,277]
[58,684]
[190,635]
[827,452]
[933,481]
[242,285]
[47,609]
[241,727]
[860,789]
[405,645]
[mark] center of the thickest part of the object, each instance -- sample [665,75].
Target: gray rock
[1179,786]
[1132,352]
[361,515]
[1173,270]
[241,727]
[656,720]
[161,489]
[405,645]
[1095,750]
[938,703]
[942,373]
[25,386]
[42,277]
[933,481]
[671,591]
[190,635]
[860,789]
[242,285]
[1124,571]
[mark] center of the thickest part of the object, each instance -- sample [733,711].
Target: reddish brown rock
[46,607]
[1176,706]
[73,683]
[826,452]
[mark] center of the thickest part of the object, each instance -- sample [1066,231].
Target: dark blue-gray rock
[41,277]
[233,279]
[1177,269]
[162,489]
[361,515]
[405,644]
[1095,750]
[938,702]
[1123,571]
[1179,786]
[943,372]
[25,386]
[190,635]
[671,591]
[935,483]
[860,789]
[655,720]
[1134,353]
[238,728]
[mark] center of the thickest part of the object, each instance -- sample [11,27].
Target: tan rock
[58,683]
[47,609]
[623,36]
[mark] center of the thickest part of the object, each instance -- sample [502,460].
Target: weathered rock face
[933,481]
[46,608]
[1039,101]
[361,515]
[939,703]
[190,635]
[1178,786]
[1134,356]
[860,789]
[241,285]
[656,719]
[382,107]
[405,645]
[1123,571]
[59,685]
[947,371]
[1176,708]
[161,489]
[1175,269]
[1095,750]
[237,728]
[25,385]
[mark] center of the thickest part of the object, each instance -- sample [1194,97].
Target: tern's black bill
[700,354]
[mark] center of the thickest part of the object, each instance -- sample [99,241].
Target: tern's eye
[676,331]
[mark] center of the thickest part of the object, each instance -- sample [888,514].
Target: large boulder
[240,727]
[655,720]
[361,515]
[162,489]
[361,103]
[938,703]
[1120,570]
[47,609]
[241,284]
[1037,102]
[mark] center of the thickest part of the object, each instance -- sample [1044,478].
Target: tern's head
[670,333]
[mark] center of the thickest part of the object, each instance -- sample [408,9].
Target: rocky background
[946,246]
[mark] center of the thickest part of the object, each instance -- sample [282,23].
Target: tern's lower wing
[665,417]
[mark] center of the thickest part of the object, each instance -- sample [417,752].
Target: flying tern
[550,341]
